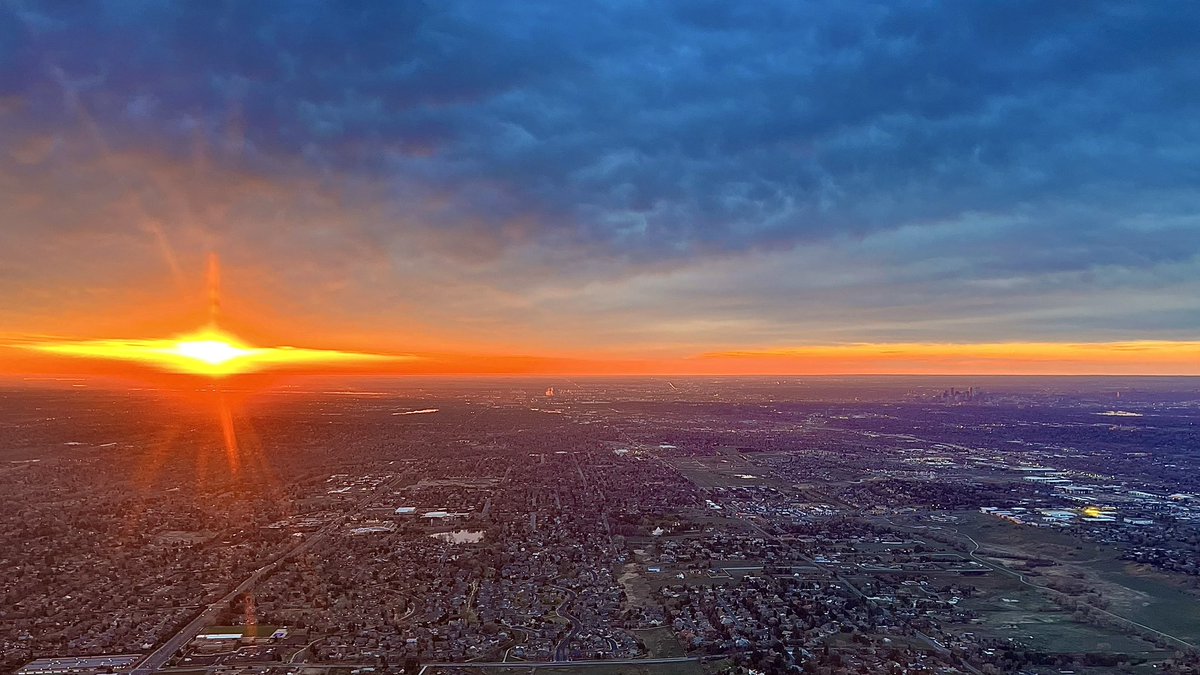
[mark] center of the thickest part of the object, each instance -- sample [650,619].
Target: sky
[768,186]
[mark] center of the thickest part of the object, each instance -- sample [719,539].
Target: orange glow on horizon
[209,352]
[215,354]
[1000,358]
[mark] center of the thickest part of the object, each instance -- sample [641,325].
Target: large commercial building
[79,664]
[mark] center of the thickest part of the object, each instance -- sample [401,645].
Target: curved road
[560,649]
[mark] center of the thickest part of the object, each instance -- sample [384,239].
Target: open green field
[728,470]
[1057,632]
[643,584]
[1001,535]
[1010,610]
[1145,596]
[1012,603]
[660,642]
[1157,603]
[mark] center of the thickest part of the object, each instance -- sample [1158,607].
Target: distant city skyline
[610,188]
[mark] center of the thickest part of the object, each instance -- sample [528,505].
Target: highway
[159,657]
[551,664]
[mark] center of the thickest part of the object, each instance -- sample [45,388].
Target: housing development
[686,526]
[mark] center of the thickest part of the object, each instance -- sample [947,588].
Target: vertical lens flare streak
[233,453]
[214,289]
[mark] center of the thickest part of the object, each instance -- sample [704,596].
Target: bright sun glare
[210,352]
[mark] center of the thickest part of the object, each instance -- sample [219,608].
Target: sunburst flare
[210,352]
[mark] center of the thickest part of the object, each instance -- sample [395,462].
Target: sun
[210,352]
[214,352]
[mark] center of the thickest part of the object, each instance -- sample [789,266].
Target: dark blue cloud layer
[643,131]
[656,127]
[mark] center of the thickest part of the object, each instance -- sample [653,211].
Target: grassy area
[660,642]
[1056,632]
[721,471]
[1157,602]
[1089,572]
[1036,542]
[1142,595]
[717,666]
